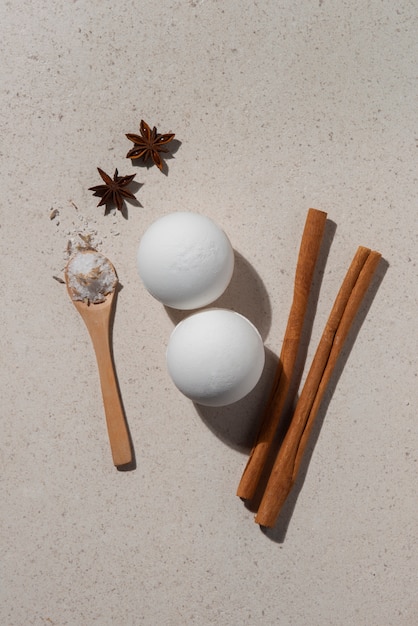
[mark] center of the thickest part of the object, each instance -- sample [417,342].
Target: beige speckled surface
[278,106]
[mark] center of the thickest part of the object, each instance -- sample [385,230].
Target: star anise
[148,144]
[113,191]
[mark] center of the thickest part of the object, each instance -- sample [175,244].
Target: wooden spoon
[97,319]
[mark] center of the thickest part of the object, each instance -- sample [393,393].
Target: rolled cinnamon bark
[307,258]
[289,458]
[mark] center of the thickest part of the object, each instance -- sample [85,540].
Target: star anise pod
[113,191]
[148,144]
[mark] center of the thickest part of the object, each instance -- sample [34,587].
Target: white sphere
[215,357]
[185,260]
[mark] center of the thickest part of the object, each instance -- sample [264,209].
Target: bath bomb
[215,357]
[185,260]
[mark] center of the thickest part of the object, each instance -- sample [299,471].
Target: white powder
[90,276]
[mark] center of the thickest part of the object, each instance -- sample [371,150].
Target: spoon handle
[115,418]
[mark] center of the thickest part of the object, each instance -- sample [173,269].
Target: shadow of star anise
[114,190]
[148,144]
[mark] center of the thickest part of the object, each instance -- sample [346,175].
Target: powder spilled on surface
[90,277]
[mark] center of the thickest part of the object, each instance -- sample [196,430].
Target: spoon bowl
[96,313]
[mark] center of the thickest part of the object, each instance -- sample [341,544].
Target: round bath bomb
[215,357]
[185,260]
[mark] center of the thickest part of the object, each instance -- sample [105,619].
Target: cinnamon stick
[307,258]
[289,458]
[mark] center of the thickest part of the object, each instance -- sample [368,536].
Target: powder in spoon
[90,276]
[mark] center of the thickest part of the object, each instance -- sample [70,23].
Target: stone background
[277,107]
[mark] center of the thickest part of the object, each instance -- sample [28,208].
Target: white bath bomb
[215,357]
[185,260]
